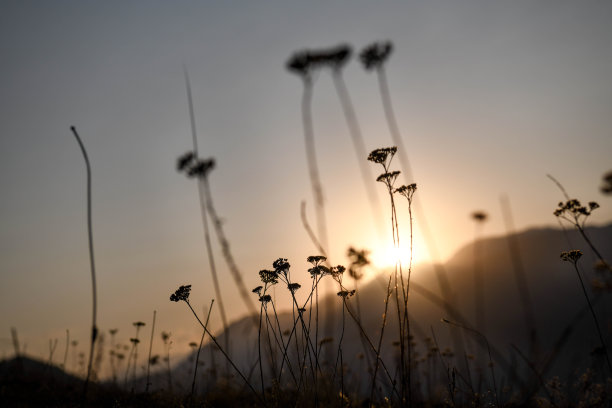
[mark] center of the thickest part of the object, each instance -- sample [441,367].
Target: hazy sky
[491,96]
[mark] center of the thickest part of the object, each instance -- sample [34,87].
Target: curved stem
[94,329]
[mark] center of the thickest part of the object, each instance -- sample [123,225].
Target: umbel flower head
[281,265]
[407,190]
[269,277]
[257,290]
[571,256]
[388,178]
[316,259]
[182,293]
[304,62]
[381,155]
[139,324]
[479,216]
[375,55]
[293,287]
[574,207]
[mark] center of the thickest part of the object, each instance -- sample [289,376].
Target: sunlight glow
[387,256]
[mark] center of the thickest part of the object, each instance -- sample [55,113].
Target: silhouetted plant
[182,294]
[94,328]
[573,256]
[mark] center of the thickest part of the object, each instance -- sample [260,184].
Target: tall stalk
[150,350]
[94,328]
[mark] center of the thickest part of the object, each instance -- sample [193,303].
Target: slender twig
[195,370]
[150,350]
[94,328]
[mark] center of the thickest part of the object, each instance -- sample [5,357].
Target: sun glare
[387,256]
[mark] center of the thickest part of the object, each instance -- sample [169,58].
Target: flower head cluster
[317,267]
[281,265]
[269,277]
[375,55]
[194,167]
[337,271]
[388,178]
[606,186]
[265,298]
[407,191]
[257,290]
[346,293]
[182,293]
[134,340]
[381,155]
[293,287]
[479,216]
[571,256]
[304,62]
[139,324]
[574,208]
[358,259]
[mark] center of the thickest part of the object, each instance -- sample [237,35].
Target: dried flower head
[375,55]
[575,208]
[479,216]
[571,256]
[185,161]
[257,290]
[407,191]
[134,340]
[388,178]
[319,270]
[139,324]
[293,287]
[165,336]
[113,331]
[358,259]
[381,155]
[193,344]
[299,63]
[268,276]
[281,265]
[303,62]
[346,293]
[182,293]
[201,168]
[316,259]
[337,271]
[265,298]
[606,185]
[154,360]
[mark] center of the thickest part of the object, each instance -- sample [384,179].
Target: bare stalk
[94,328]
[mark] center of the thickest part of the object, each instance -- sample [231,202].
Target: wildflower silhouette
[182,294]
[572,257]
[375,55]
[606,185]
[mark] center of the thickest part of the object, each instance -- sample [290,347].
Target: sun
[386,256]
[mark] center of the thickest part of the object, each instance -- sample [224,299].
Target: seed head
[380,155]
[375,55]
[346,293]
[134,340]
[201,168]
[182,293]
[185,161]
[388,178]
[316,259]
[281,265]
[407,191]
[265,298]
[139,324]
[571,256]
[479,216]
[257,290]
[293,287]
[269,277]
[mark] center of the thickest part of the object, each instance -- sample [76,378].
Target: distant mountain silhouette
[566,342]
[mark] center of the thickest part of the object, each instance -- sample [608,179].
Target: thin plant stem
[223,352]
[586,296]
[94,328]
[66,351]
[150,350]
[195,370]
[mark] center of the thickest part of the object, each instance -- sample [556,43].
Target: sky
[490,96]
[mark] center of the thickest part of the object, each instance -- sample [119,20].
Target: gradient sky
[490,95]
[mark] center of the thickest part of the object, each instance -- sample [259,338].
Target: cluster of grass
[299,365]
